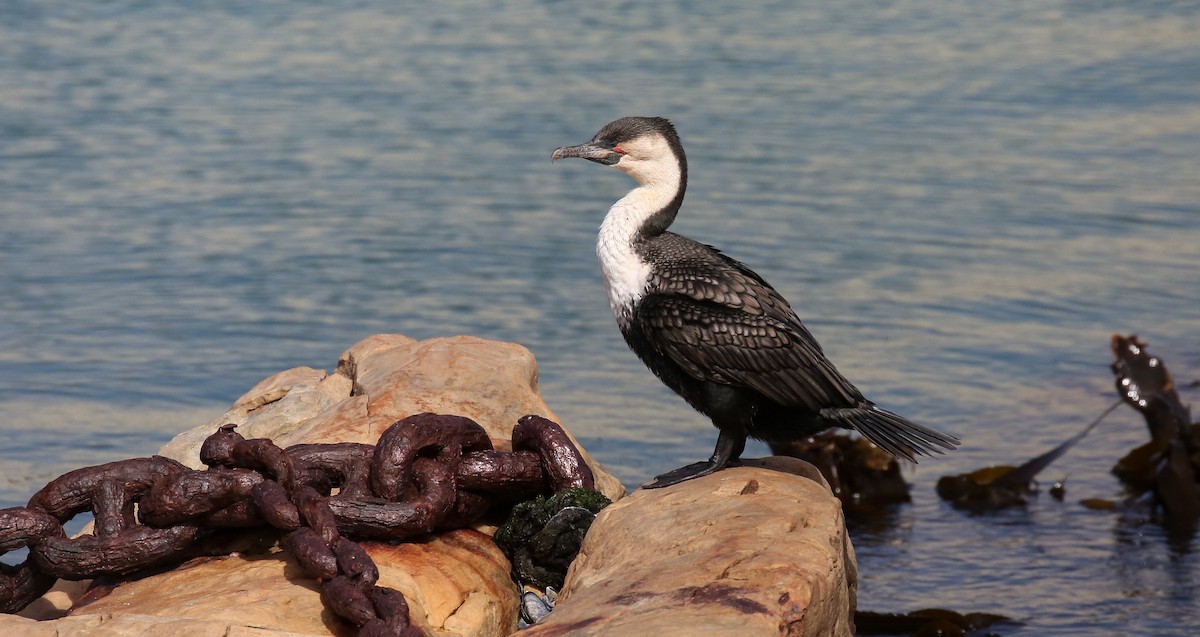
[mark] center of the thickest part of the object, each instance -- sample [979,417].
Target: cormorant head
[645,148]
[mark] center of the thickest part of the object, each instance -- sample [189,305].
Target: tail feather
[898,436]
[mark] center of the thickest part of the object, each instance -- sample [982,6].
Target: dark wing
[715,342]
[703,273]
[721,322]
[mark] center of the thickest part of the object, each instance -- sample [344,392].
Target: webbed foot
[694,470]
[729,447]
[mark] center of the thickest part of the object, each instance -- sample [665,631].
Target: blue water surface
[963,200]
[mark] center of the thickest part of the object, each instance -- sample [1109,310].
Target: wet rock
[541,537]
[1169,465]
[861,475]
[1003,486]
[746,551]
[980,490]
[1099,504]
[1138,469]
[929,622]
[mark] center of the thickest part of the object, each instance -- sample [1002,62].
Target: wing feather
[718,343]
[721,322]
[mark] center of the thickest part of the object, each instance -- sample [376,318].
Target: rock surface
[382,379]
[746,551]
[132,624]
[456,583]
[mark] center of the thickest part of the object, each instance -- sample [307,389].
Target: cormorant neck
[659,166]
[650,209]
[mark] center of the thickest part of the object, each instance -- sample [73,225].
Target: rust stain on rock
[632,598]
[721,594]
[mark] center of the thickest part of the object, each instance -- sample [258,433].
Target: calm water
[964,200]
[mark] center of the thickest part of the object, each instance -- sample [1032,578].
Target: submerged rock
[979,489]
[928,622]
[863,476]
[1168,465]
[1004,486]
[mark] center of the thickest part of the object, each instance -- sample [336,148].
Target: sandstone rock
[382,379]
[127,624]
[456,583]
[746,551]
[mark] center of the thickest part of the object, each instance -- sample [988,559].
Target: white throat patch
[650,160]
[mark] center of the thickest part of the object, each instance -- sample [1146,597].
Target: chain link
[428,473]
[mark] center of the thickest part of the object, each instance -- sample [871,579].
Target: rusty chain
[427,473]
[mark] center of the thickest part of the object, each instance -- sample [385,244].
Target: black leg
[729,449]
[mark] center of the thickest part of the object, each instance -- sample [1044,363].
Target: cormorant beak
[589,151]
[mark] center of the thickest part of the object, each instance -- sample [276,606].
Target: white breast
[625,274]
